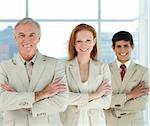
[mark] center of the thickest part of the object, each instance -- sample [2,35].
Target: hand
[51,90]
[103,89]
[138,91]
[7,87]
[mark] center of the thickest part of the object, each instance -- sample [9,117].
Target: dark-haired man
[130,83]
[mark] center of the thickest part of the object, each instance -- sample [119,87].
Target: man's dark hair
[122,35]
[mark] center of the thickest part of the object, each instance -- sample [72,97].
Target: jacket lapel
[21,71]
[94,72]
[131,70]
[74,72]
[38,69]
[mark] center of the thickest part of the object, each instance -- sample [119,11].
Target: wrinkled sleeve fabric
[56,103]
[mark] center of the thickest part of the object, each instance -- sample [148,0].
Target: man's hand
[7,87]
[51,90]
[138,91]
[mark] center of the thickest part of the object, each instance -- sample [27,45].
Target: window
[59,17]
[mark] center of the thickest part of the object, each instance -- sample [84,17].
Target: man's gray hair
[28,21]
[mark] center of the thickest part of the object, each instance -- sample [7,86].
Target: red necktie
[123,70]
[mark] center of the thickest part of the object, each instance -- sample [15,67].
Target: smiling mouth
[84,50]
[26,46]
[123,54]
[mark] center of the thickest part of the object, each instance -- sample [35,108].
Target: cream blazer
[44,112]
[79,100]
[130,113]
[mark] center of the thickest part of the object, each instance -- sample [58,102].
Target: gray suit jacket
[44,112]
[79,100]
[130,113]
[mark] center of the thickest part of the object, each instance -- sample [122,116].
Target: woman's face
[84,42]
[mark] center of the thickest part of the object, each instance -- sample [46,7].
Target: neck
[27,57]
[83,60]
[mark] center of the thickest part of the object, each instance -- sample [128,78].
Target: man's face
[123,50]
[27,38]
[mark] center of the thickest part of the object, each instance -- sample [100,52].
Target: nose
[84,44]
[27,39]
[122,49]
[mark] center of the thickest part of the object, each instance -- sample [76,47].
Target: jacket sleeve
[132,106]
[104,101]
[13,100]
[56,103]
[137,104]
[78,99]
[118,100]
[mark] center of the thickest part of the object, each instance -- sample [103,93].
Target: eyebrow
[20,33]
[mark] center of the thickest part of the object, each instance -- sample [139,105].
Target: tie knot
[122,66]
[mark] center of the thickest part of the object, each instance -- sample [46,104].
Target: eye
[21,35]
[32,35]
[118,46]
[78,41]
[126,46]
[88,41]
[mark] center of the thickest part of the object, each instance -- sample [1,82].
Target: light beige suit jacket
[44,112]
[79,100]
[130,113]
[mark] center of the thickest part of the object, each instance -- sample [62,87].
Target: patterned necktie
[123,70]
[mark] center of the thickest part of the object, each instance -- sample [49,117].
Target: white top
[83,116]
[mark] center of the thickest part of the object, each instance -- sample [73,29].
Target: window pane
[63,9]
[55,38]
[7,43]
[108,30]
[12,9]
[119,9]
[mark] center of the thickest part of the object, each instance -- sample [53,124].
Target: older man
[32,86]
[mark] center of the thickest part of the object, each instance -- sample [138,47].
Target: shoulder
[99,63]
[71,63]
[141,67]
[6,65]
[6,62]
[53,59]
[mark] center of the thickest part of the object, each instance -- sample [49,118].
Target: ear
[133,46]
[94,41]
[39,39]
[113,47]
[15,38]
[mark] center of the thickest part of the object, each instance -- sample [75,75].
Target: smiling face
[84,43]
[123,50]
[27,37]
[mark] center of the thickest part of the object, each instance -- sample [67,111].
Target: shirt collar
[32,60]
[126,63]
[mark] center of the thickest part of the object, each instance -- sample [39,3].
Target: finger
[57,80]
[5,88]
[58,85]
[62,90]
[9,87]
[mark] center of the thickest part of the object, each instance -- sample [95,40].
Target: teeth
[83,50]
[26,46]
[123,54]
